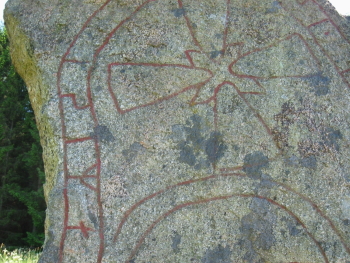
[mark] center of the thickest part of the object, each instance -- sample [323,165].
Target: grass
[21,255]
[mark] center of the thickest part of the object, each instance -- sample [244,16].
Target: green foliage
[22,205]
[19,255]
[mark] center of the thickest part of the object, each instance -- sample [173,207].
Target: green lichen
[50,154]
[22,55]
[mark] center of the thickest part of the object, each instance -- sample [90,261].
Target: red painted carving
[178,207]
[220,62]
[84,230]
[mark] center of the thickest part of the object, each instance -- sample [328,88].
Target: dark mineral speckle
[219,254]
[257,229]
[178,133]
[294,227]
[178,12]
[265,186]
[275,7]
[176,240]
[132,152]
[102,133]
[253,163]
[309,162]
[215,54]
[201,163]
[330,137]
[319,82]
[198,147]
[187,155]
[292,161]
[294,231]
[93,219]
[260,206]
[195,130]
[215,147]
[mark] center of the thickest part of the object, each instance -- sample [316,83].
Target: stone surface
[190,131]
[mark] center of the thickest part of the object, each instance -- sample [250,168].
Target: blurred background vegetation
[22,204]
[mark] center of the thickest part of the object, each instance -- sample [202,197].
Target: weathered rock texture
[190,131]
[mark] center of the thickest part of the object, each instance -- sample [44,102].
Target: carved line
[240,47]
[242,95]
[76,61]
[314,24]
[228,16]
[195,86]
[84,230]
[214,97]
[89,96]
[195,40]
[269,46]
[190,28]
[315,39]
[136,205]
[191,62]
[179,207]
[65,161]
[320,212]
[189,57]
[78,140]
[259,117]
[78,177]
[329,56]
[85,175]
[74,101]
[214,176]
[93,113]
[329,18]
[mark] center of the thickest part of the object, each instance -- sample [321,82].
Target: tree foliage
[22,205]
